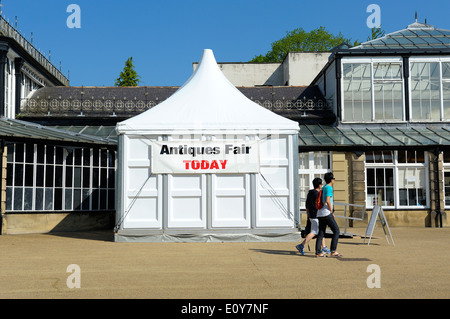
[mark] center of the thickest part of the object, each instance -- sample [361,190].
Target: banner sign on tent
[199,157]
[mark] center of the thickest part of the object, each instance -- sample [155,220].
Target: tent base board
[217,237]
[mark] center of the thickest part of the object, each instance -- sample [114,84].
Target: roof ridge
[416,35]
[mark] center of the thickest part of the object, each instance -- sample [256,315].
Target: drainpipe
[2,147]
[338,90]
[438,191]
[3,60]
[18,63]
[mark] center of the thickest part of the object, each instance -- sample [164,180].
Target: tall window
[372,91]
[430,89]
[425,91]
[312,165]
[412,182]
[447,178]
[446,89]
[388,91]
[397,179]
[49,178]
[357,92]
[380,178]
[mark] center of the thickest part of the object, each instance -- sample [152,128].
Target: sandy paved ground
[35,266]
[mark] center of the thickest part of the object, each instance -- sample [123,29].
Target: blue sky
[165,37]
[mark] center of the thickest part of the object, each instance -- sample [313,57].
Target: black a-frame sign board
[377,211]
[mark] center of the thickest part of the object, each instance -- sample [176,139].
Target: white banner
[203,157]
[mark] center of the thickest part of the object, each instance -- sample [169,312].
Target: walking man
[325,216]
[311,212]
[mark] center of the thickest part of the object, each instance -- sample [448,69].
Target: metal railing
[347,218]
[84,107]
[130,107]
[8,30]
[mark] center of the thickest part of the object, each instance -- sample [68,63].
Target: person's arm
[307,213]
[328,203]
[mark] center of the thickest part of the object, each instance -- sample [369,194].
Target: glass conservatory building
[391,98]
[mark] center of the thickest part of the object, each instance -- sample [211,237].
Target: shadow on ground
[99,235]
[294,253]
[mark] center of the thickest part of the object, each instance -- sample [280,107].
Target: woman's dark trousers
[323,223]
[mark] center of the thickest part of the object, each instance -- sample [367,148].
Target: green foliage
[128,77]
[318,40]
[376,33]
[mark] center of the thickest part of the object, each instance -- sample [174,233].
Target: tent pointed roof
[207,101]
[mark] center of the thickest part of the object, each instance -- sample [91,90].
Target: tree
[376,33]
[128,77]
[318,40]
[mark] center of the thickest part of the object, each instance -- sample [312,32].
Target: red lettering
[205,164]
[195,164]
[214,165]
[223,163]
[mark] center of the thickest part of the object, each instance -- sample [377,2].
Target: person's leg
[320,236]
[307,227]
[314,230]
[331,222]
[308,238]
[325,249]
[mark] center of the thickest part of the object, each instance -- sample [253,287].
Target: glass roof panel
[17,128]
[433,40]
[386,137]
[432,137]
[90,130]
[308,140]
[330,130]
[316,135]
[421,33]
[386,42]
[356,139]
[402,40]
[417,40]
[373,139]
[444,33]
[314,129]
[416,36]
[406,33]
[437,32]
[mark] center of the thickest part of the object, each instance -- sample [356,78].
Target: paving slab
[36,266]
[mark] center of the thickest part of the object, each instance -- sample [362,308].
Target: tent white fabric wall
[213,206]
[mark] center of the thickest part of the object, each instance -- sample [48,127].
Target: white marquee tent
[207,164]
